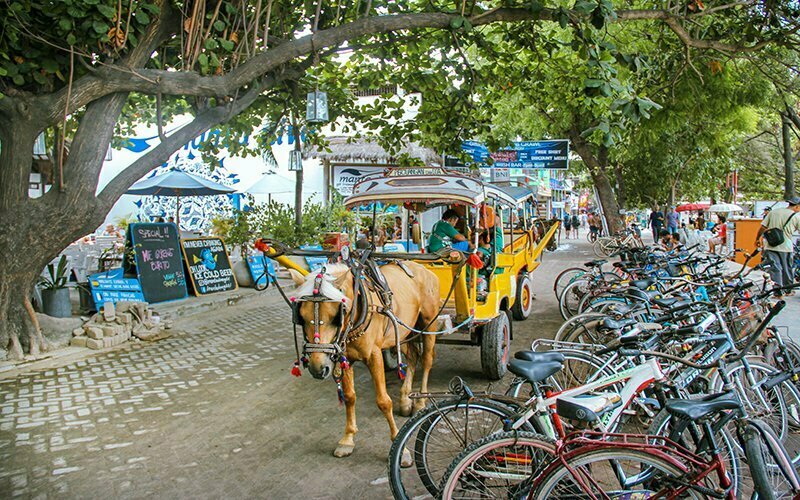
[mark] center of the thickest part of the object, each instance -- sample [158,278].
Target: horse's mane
[328,288]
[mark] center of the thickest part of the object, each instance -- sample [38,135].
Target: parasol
[725,208]
[271,183]
[692,207]
[178,183]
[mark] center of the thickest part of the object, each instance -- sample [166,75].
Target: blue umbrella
[178,183]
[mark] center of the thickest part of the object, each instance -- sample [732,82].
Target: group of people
[665,228]
[572,222]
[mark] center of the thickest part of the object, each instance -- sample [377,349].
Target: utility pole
[788,156]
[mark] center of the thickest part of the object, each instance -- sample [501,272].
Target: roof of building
[366,150]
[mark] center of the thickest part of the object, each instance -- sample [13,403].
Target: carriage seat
[588,407]
[533,371]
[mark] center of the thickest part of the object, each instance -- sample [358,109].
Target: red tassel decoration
[401,371]
[296,369]
[344,363]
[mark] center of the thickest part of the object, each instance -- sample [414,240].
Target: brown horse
[415,302]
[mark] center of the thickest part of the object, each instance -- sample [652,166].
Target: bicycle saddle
[533,371]
[610,324]
[694,409]
[666,301]
[643,284]
[595,263]
[539,357]
[638,295]
[586,408]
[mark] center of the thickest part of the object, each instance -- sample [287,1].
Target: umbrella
[271,183]
[725,207]
[178,183]
[691,207]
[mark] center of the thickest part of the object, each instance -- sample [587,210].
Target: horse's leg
[375,365]
[412,356]
[347,443]
[428,344]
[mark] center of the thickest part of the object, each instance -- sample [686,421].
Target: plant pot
[87,304]
[56,303]
[242,273]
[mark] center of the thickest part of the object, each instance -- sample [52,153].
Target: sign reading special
[156,261]
[208,264]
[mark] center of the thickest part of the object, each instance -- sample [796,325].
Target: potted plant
[55,294]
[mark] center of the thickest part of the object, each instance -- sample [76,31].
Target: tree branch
[202,123]
[112,79]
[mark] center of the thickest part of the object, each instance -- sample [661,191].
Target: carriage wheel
[495,345]
[523,306]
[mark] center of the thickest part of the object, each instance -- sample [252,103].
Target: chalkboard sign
[256,265]
[156,261]
[208,264]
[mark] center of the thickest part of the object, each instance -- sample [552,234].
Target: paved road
[213,412]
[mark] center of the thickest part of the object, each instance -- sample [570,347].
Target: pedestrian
[575,224]
[673,220]
[776,230]
[594,224]
[656,222]
[700,223]
[567,225]
[584,219]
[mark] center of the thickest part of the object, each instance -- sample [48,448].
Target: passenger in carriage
[444,234]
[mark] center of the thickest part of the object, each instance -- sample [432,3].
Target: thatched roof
[366,150]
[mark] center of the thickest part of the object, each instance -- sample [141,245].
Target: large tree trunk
[598,166]
[620,180]
[788,156]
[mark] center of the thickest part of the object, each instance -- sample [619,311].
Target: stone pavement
[213,412]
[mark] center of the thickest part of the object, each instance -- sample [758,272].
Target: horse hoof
[406,460]
[343,450]
[405,409]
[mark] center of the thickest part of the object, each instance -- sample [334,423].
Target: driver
[444,234]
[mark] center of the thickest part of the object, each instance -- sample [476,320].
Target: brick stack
[115,324]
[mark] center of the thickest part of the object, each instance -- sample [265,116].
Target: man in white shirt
[780,256]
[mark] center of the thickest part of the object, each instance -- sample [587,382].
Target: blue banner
[524,154]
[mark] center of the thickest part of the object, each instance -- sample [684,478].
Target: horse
[415,302]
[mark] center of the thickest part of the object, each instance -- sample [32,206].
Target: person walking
[575,225]
[567,225]
[673,220]
[775,235]
[656,222]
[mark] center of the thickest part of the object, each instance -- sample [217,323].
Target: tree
[83,71]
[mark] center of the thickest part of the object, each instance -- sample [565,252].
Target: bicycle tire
[410,430]
[736,469]
[769,463]
[545,485]
[571,297]
[574,322]
[526,448]
[578,271]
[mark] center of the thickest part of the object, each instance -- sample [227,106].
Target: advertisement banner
[345,177]
[524,154]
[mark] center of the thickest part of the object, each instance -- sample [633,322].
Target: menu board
[156,261]
[208,264]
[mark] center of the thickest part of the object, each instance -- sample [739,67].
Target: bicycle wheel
[575,322]
[438,433]
[662,426]
[760,400]
[566,277]
[498,466]
[771,468]
[604,473]
[571,297]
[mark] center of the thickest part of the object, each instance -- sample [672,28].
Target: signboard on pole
[523,154]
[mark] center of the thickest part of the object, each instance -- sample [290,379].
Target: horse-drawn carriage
[479,296]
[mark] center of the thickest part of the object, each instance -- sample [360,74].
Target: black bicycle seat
[643,284]
[665,302]
[693,409]
[539,357]
[595,263]
[610,324]
[533,371]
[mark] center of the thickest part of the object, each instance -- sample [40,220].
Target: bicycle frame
[638,378]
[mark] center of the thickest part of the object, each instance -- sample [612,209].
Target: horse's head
[322,301]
